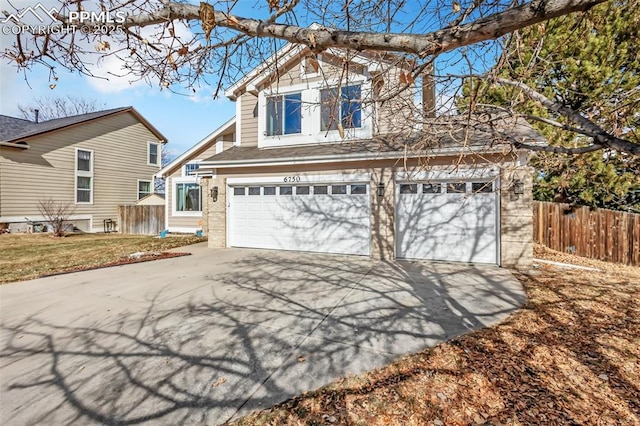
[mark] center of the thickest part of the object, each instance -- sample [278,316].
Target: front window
[144,188]
[347,110]
[188,197]
[84,176]
[284,114]
[154,156]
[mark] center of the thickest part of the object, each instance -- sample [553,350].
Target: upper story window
[84,176]
[347,108]
[284,114]
[154,154]
[191,168]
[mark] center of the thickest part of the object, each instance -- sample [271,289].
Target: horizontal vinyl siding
[398,114]
[47,168]
[249,123]
[179,221]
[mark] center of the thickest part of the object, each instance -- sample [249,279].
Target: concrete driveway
[211,336]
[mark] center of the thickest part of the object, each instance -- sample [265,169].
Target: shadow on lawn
[241,341]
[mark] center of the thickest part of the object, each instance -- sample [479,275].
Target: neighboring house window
[188,197]
[144,188]
[154,154]
[190,169]
[84,176]
[347,109]
[284,115]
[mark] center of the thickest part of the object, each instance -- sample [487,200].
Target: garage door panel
[446,226]
[306,222]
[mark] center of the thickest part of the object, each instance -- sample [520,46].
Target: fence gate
[141,220]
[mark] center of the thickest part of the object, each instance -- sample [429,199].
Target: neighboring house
[151,200]
[93,161]
[329,158]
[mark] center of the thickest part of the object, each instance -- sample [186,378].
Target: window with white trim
[153,159]
[144,188]
[188,197]
[346,109]
[284,114]
[84,176]
[190,169]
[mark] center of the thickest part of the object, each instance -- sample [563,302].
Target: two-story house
[93,162]
[328,154]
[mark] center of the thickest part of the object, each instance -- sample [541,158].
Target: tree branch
[320,39]
[585,126]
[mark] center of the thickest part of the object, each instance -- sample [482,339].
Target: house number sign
[291,179]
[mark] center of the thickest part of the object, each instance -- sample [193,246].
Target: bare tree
[159,185]
[57,214]
[186,46]
[51,107]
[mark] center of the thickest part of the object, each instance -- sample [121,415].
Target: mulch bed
[124,261]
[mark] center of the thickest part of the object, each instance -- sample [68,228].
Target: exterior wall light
[518,186]
[380,189]
[214,193]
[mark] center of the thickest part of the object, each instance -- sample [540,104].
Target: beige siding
[47,169]
[177,221]
[249,120]
[396,112]
[515,211]
[192,222]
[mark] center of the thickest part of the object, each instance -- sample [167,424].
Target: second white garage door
[315,217]
[448,220]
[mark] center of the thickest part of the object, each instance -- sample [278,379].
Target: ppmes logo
[41,19]
[38,11]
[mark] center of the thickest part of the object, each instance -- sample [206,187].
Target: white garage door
[316,217]
[453,221]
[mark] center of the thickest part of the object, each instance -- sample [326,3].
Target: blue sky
[184,120]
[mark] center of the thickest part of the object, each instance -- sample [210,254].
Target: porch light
[214,193]
[380,189]
[518,186]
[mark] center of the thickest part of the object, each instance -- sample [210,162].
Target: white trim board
[448,173]
[40,218]
[210,138]
[183,230]
[347,177]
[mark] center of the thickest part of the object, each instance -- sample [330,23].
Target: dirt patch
[124,261]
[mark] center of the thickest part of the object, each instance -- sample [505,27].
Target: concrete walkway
[211,336]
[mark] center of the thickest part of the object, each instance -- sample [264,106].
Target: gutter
[15,145]
[340,158]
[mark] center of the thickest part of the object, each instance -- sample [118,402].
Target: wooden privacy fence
[141,220]
[595,233]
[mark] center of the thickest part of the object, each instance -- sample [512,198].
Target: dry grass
[27,256]
[570,356]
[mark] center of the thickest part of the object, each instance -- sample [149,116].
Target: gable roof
[497,138]
[290,51]
[11,126]
[18,130]
[205,143]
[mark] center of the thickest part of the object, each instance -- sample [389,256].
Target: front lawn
[27,256]
[570,356]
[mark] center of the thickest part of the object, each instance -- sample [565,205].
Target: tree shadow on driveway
[272,327]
